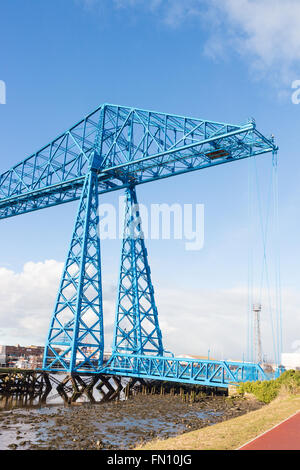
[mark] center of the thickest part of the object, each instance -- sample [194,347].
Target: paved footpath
[284,436]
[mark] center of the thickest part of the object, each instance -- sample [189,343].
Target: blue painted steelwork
[75,340]
[136,325]
[194,371]
[137,146]
[117,147]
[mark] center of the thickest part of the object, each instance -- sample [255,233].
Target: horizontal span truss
[125,146]
[173,369]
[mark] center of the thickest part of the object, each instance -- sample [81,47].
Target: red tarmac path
[283,436]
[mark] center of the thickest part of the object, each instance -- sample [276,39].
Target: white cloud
[28,298]
[265,33]
[192,321]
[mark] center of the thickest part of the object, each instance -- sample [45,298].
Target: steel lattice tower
[75,338]
[117,147]
[257,334]
[136,325]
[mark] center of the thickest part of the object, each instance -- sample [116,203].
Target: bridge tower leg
[137,328]
[75,340]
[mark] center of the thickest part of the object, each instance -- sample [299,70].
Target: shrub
[267,390]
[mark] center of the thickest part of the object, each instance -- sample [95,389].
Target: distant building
[2,357]
[24,357]
[291,360]
[31,357]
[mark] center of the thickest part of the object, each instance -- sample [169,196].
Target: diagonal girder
[135,146]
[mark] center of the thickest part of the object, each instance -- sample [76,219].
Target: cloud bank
[193,321]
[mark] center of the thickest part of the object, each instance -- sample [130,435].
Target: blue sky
[213,60]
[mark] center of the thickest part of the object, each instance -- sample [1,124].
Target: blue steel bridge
[118,148]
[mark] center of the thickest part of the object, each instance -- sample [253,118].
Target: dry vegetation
[232,434]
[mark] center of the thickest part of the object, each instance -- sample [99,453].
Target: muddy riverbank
[114,425]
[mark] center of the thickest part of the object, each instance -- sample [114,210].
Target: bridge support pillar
[24,386]
[96,389]
[76,341]
[75,386]
[137,328]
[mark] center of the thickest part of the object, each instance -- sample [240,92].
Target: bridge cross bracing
[119,148]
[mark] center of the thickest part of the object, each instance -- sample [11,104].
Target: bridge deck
[174,369]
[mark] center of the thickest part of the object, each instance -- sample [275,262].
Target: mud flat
[114,425]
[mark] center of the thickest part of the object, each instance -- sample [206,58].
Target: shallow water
[112,425]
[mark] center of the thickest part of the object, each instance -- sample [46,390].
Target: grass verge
[232,434]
